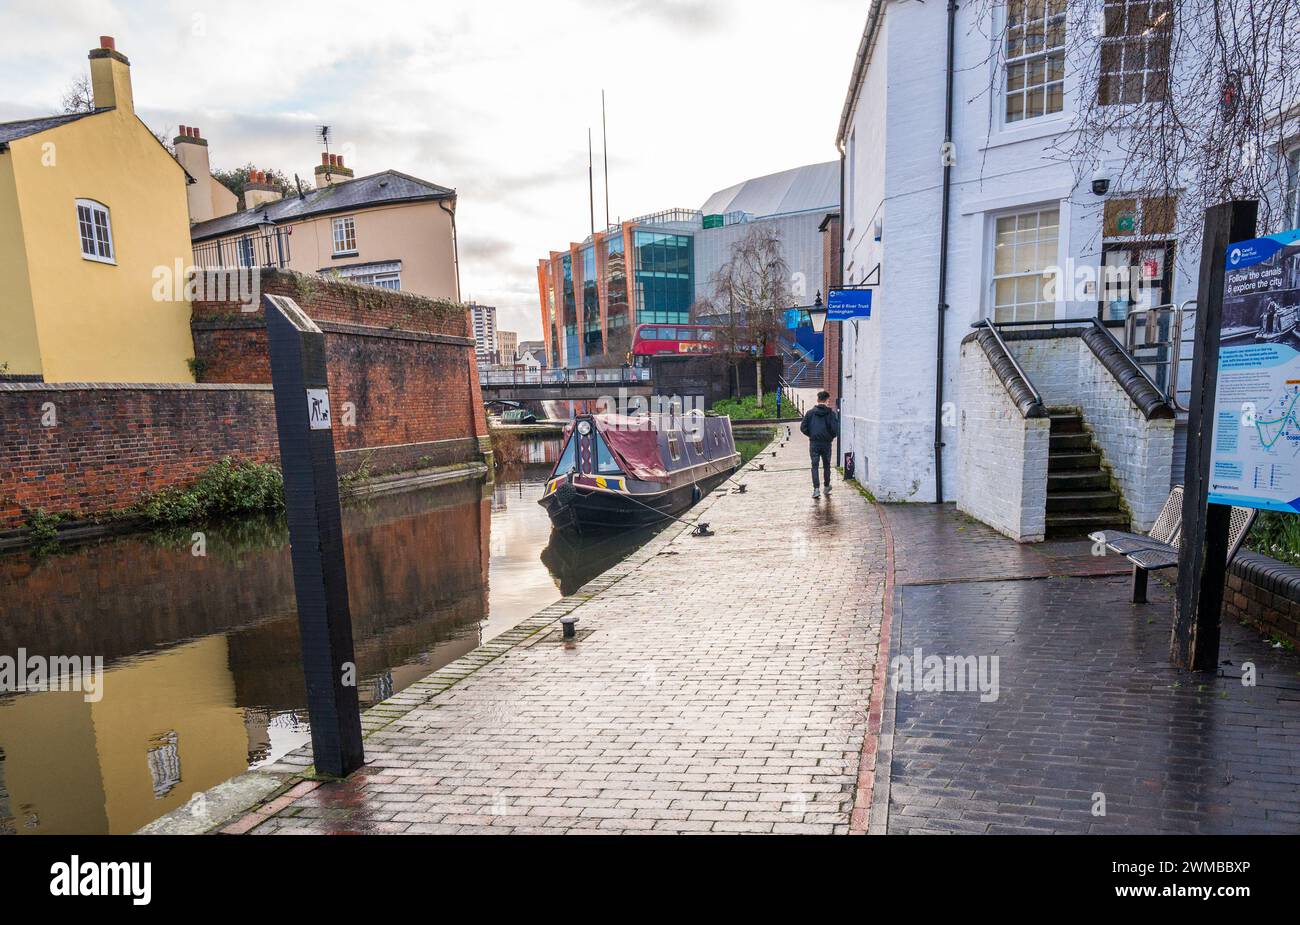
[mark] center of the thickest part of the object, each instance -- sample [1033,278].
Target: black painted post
[311,495]
[1203,551]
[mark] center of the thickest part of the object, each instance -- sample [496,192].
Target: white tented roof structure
[815,186]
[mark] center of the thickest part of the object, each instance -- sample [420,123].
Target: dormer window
[345,236]
[96,231]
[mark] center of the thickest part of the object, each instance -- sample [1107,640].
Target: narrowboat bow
[618,471]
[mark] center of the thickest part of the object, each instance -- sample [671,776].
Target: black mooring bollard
[570,625]
[311,499]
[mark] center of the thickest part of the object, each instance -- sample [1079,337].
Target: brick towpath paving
[1088,701]
[721,684]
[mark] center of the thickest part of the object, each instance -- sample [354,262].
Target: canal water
[202,679]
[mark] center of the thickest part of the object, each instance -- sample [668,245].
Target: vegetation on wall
[235,181]
[225,488]
[748,408]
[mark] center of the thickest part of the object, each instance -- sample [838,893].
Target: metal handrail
[1097,323]
[1178,313]
[988,323]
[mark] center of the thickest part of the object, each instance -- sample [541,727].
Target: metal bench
[1159,548]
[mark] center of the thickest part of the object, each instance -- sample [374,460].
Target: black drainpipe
[943,263]
[839,341]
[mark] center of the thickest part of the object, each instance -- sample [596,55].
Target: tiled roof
[390,186]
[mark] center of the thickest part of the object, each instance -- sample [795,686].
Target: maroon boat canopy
[634,441]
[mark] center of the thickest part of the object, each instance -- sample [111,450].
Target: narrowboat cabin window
[605,462]
[567,457]
[674,446]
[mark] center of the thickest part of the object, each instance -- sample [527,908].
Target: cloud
[493,100]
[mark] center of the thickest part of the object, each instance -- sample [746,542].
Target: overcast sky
[492,98]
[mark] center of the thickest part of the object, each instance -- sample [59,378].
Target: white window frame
[381,276]
[1123,40]
[990,260]
[100,235]
[1025,59]
[344,231]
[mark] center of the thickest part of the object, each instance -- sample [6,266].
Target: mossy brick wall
[404,391]
[401,366]
[93,448]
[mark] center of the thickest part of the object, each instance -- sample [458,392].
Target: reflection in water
[202,675]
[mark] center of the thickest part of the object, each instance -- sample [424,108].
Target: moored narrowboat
[618,471]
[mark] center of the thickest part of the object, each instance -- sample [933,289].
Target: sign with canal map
[1255,460]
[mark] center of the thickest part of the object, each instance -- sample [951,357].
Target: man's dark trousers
[820,452]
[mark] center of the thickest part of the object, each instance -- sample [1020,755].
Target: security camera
[1100,183]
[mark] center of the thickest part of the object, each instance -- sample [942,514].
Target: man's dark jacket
[820,424]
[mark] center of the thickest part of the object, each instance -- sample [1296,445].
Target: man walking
[821,425]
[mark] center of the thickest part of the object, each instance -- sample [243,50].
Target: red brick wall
[403,388]
[832,275]
[112,443]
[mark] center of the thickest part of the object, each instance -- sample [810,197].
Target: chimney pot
[340,160]
[185,130]
[194,131]
[106,41]
[324,159]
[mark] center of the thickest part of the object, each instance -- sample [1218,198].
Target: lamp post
[817,314]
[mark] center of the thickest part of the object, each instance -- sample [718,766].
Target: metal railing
[576,376]
[249,250]
[1165,339]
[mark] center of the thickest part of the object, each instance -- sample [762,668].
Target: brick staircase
[1079,496]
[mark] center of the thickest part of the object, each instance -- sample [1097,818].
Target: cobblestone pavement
[1088,702]
[720,684]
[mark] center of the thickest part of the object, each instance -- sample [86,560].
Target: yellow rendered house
[93,216]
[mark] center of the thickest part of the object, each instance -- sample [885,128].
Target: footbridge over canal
[579,384]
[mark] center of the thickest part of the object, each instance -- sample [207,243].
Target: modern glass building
[656,268]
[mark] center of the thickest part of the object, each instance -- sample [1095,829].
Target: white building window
[1035,55]
[1024,246]
[383,275]
[1135,51]
[96,231]
[345,235]
[1293,189]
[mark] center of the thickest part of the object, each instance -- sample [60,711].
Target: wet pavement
[718,684]
[737,683]
[1089,716]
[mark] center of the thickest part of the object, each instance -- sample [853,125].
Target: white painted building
[1016,208]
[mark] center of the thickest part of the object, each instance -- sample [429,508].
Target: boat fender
[696,494]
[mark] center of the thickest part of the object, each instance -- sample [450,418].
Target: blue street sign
[845,304]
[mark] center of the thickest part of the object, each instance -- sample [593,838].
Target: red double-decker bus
[677,339]
[673,339]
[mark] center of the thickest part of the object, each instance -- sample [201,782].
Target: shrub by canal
[227,487]
[748,408]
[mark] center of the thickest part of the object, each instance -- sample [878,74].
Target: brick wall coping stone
[133,387]
[1146,398]
[335,327]
[1017,386]
[1270,574]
